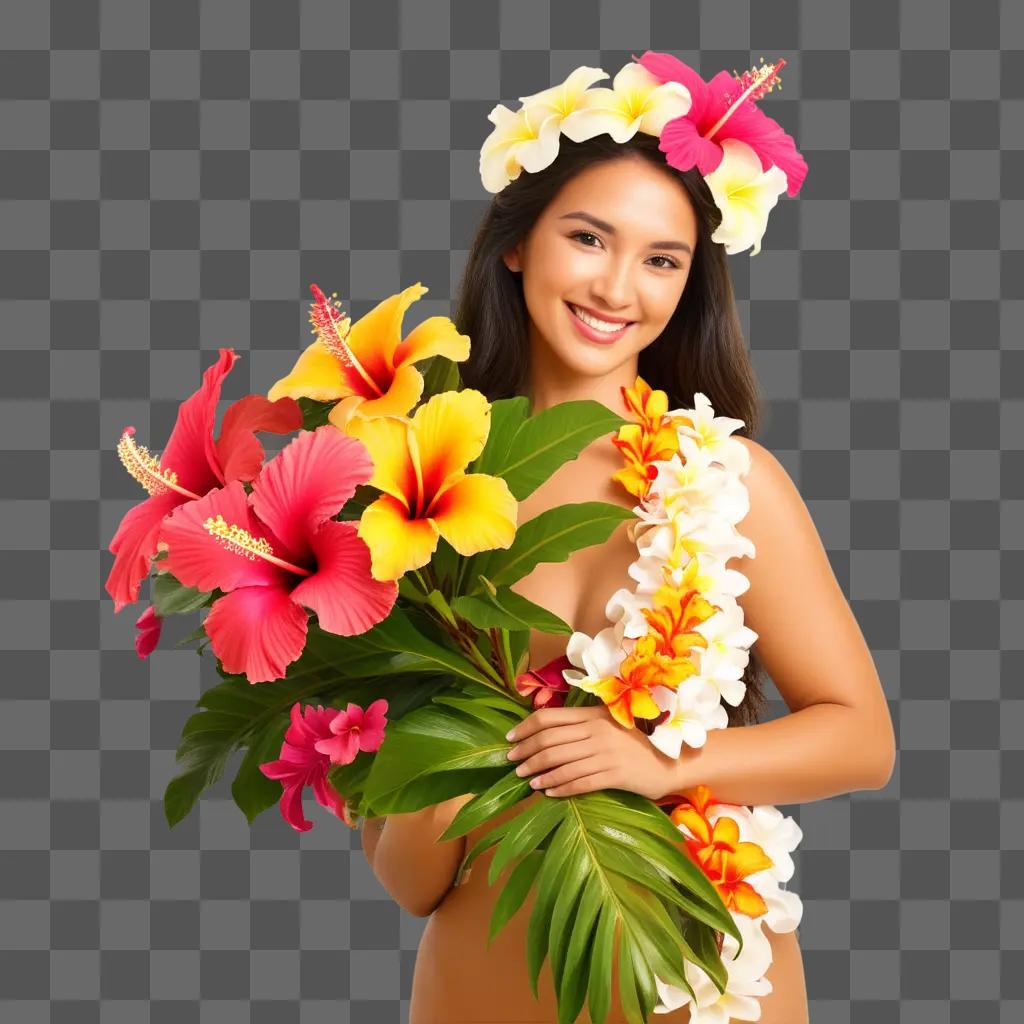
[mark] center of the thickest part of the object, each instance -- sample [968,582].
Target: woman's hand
[582,749]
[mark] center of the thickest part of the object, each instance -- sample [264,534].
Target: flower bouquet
[356,591]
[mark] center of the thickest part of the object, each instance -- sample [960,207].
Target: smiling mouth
[596,323]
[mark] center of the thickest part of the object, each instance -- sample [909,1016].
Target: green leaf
[364,496]
[551,536]
[544,442]
[538,930]
[514,893]
[507,416]
[499,720]
[253,792]
[504,793]
[415,652]
[314,413]
[441,374]
[599,988]
[612,860]
[483,844]
[506,609]
[527,830]
[577,967]
[169,597]
[421,754]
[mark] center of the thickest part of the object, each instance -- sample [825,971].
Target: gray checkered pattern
[174,175]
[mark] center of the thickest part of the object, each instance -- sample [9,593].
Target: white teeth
[598,325]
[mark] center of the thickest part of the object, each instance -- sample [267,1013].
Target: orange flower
[651,439]
[717,850]
[647,406]
[628,695]
[676,614]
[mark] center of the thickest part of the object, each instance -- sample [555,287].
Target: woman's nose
[614,288]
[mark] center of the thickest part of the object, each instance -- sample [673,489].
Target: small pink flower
[149,625]
[301,765]
[546,684]
[353,730]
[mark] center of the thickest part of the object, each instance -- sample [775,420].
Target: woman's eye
[580,236]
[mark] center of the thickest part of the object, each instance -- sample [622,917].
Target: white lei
[691,511]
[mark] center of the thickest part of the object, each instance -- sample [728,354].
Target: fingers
[580,777]
[546,739]
[557,756]
[547,717]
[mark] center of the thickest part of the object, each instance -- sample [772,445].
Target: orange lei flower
[717,850]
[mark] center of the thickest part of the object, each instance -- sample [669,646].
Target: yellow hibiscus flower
[367,364]
[420,465]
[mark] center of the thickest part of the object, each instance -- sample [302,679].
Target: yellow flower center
[241,542]
[145,467]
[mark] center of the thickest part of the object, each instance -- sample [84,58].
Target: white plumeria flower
[745,984]
[745,194]
[564,98]
[627,608]
[777,834]
[695,708]
[524,139]
[713,432]
[726,655]
[599,657]
[687,476]
[637,101]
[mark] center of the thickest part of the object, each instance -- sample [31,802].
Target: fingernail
[510,735]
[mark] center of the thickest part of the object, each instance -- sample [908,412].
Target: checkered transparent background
[172,178]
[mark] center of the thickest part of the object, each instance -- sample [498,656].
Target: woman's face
[618,239]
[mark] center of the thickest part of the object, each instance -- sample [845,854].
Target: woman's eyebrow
[603,225]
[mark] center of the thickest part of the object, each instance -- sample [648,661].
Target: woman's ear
[511,259]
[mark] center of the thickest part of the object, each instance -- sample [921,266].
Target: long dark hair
[701,348]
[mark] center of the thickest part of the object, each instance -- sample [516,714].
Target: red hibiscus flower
[545,685]
[695,139]
[301,765]
[277,551]
[191,465]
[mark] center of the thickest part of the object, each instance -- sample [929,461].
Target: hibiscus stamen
[145,467]
[756,82]
[240,541]
[331,329]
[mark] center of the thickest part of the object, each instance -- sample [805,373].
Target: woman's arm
[839,736]
[415,869]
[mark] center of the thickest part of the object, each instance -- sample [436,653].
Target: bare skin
[457,978]
[838,737]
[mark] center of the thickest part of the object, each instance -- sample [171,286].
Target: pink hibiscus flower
[300,765]
[277,551]
[191,465]
[353,730]
[149,626]
[695,139]
[546,685]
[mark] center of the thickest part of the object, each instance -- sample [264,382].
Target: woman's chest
[577,589]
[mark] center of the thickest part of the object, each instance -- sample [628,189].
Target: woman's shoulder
[767,480]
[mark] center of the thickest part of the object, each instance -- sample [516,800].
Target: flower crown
[745,157]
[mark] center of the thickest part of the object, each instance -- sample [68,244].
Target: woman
[610,229]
